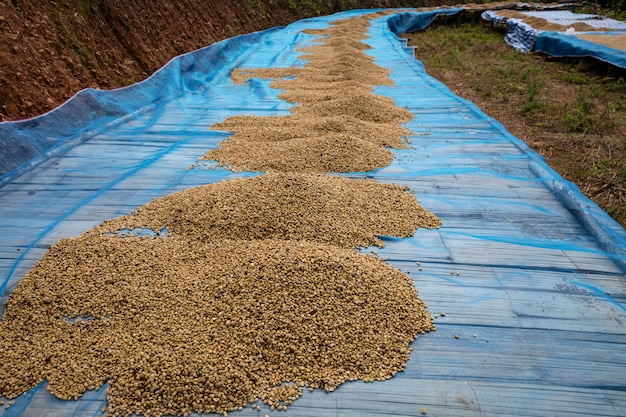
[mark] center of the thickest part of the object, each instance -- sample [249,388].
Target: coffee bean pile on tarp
[288,206]
[338,125]
[179,327]
[613,41]
[254,292]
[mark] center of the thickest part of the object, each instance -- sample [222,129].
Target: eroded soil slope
[51,50]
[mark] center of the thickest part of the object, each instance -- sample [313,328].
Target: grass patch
[580,116]
[573,112]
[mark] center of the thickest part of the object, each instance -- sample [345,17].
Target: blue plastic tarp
[519,35]
[566,45]
[412,22]
[91,111]
[530,273]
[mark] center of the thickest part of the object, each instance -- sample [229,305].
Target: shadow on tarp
[25,143]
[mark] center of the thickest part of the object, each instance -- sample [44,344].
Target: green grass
[571,111]
[581,116]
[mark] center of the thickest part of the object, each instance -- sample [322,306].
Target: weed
[534,86]
[575,78]
[579,117]
[509,56]
[254,4]
[291,5]
[230,31]
[622,175]
[617,86]
[594,90]
[309,7]
[84,54]
[346,4]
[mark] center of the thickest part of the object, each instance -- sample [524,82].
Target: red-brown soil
[51,50]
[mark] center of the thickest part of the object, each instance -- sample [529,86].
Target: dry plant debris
[255,292]
[338,124]
[178,327]
[314,207]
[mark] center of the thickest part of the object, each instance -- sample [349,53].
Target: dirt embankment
[51,50]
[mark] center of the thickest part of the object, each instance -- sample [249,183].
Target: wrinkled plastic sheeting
[91,111]
[24,142]
[608,234]
[166,128]
[410,22]
[526,269]
[519,35]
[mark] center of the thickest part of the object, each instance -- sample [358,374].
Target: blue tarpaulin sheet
[565,43]
[530,273]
